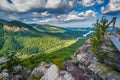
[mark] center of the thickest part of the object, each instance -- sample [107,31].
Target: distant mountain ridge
[18,25]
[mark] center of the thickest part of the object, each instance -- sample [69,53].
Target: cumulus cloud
[88,3]
[113,6]
[45,14]
[26,5]
[80,16]
[72,16]
[99,1]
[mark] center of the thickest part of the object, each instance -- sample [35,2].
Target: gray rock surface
[80,72]
[39,70]
[90,61]
[4,76]
[51,74]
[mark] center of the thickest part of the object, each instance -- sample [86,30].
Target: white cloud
[99,1]
[51,4]
[45,14]
[35,19]
[35,13]
[113,6]
[72,16]
[26,5]
[89,14]
[88,3]
[21,5]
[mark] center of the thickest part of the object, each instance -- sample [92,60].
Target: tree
[100,28]
[13,60]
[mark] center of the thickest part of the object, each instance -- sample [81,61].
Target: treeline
[57,57]
[31,44]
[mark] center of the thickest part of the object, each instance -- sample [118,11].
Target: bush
[59,62]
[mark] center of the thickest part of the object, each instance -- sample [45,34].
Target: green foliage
[34,45]
[77,52]
[35,42]
[13,60]
[48,28]
[96,41]
[36,78]
[59,62]
[61,54]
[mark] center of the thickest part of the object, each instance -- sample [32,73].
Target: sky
[63,13]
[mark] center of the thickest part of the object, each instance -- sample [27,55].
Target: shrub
[59,62]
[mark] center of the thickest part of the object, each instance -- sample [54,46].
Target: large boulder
[51,74]
[4,75]
[91,62]
[79,73]
[19,73]
[39,71]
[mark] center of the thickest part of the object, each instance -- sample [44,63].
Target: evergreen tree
[100,28]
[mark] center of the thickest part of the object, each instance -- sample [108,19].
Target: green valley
[35,39]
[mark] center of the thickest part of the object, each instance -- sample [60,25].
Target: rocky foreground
[83,65]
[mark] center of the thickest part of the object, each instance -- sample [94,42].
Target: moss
[77,51]
[59,62]
[36,78]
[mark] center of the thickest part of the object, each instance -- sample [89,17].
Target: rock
[51,74]
[62,73]
[76,72]
[4,76]
[90,61]
[68,76]
[113,76]
[39,70]
[19,73]
[17,69]
[0,69]
[4,70]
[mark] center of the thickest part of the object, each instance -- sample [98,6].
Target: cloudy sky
[64,13]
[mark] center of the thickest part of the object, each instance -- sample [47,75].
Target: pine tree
[100,28]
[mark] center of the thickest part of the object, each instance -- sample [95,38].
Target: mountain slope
[26,40]
[17,26]
[48,28]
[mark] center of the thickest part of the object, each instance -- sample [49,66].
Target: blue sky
[64,13]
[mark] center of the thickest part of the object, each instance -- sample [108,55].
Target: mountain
[2,21]
[17,25]
[30,39]
[48,28]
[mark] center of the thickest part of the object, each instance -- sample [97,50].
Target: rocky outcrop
[104,70]
[4,75]
[51,74]
[19,73]
[64,75]
[39,70]
[11,28]
[80,72]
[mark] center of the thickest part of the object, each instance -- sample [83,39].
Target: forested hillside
[31,39]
